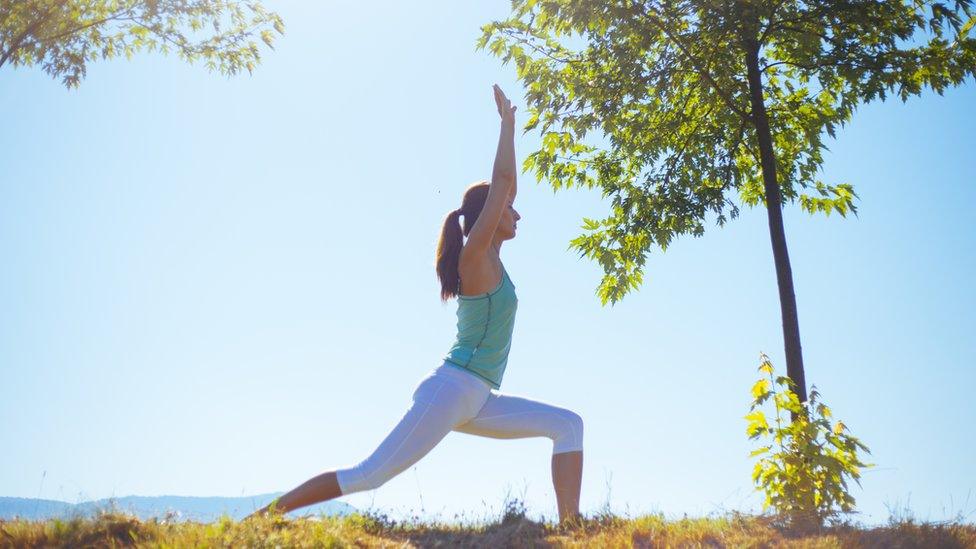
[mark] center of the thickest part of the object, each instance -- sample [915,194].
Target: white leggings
[451,399]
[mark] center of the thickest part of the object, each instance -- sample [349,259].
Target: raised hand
[505,108]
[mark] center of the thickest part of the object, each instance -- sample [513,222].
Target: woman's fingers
[500,99]
[505,107]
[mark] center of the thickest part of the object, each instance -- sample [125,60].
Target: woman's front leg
[567,477]
[510,416]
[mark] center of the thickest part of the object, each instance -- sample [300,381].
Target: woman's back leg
[438,406]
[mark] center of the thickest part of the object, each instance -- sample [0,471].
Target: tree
[707,104]
[64,35]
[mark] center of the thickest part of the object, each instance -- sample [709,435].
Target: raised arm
[502,180]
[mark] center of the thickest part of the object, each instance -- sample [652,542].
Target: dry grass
[512,529]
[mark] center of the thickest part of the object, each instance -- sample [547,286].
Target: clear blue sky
[217,286]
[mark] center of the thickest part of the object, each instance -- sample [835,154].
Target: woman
[458,395]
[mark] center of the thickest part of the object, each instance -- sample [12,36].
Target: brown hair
[451,241]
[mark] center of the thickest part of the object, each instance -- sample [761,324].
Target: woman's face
[507,224]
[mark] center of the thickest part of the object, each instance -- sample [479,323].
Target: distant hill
[200,509]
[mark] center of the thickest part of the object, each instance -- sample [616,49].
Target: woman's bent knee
[570,436]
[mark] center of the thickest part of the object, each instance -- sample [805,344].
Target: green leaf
[63,41]
[760,388]
[757,423]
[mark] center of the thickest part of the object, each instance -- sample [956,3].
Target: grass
[511,529]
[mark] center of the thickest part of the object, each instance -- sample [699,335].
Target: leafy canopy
[64,35]
[649,101]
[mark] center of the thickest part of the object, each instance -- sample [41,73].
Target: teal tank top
[485,325]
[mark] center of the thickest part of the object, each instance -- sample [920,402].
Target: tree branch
[656,19]
[19,40]
[769,27]
[732,153]
[520,38]
[95,22]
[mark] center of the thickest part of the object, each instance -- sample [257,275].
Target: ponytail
[452,238]
[449,254]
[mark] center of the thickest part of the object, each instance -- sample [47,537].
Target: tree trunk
[777,235]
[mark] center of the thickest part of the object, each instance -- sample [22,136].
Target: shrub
[805,468]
